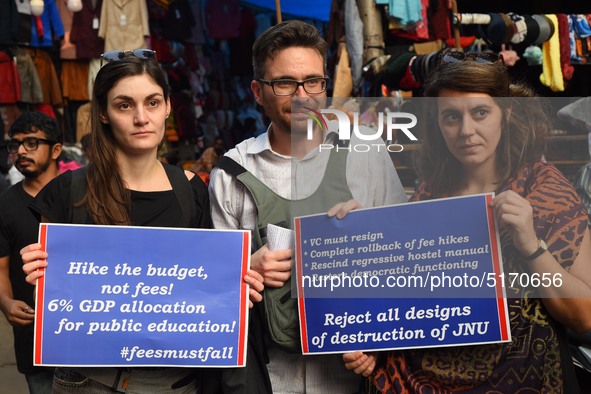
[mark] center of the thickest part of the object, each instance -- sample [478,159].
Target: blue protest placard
[413,275]
[142,296]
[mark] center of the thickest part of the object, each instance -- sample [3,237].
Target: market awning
[311,9]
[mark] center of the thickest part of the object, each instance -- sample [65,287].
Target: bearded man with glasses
[281,174]
[35,144]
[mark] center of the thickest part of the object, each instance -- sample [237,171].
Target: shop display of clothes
[204,44]
[554,41]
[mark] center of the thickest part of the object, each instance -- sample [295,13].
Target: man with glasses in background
[35,144]
[277,169]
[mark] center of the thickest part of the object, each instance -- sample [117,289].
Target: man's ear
[257,91]
[56,151]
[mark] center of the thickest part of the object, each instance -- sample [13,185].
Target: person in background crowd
[289,62]
[13,176]
[4,165]
[35,144]
[126,184]
[3,181]
[488,136]
[210,157]
[4,162]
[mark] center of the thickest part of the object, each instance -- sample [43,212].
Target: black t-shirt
[157,209]
[19,228]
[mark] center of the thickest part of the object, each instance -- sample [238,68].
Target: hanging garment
[52,26]
[67,50]
[223,19]
[551,69]
[31,89]
[9,22]
[84,32]
[124,24]
[74,75]
[354,35]
[198,30]
[10,88]
[241,47]
[50,85]
[343,82]
[573,38]
[406,12]
[179,21]
[564,42]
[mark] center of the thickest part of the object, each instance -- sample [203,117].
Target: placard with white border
[142,296]
[412,275]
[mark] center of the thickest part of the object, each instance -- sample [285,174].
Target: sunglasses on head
[484,57]
[114,56]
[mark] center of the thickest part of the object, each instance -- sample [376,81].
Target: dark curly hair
[524,124]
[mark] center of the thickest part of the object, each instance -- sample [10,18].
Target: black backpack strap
[230,166]
[183,192]
[77,192]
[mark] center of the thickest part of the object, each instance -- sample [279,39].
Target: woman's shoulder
[547,175]
[199,187]
[534,176]
[548,187]
[543,168]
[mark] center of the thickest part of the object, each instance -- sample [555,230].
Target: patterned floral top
[532,361]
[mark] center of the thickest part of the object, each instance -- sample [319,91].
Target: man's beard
[299,127]
[305,106]
[35,171]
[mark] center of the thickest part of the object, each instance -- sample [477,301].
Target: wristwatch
[542,247]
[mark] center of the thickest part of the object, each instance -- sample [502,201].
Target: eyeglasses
[114,56]
[484,57]
[287,87]
[30,144]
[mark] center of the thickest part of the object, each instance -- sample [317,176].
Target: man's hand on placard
[274,266]
[341,209]
[255,281]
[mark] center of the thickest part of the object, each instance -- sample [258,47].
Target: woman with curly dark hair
[486,134]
